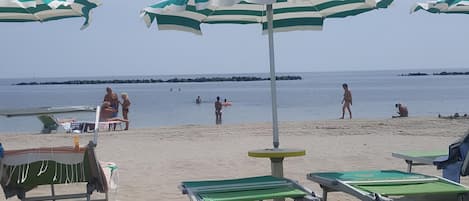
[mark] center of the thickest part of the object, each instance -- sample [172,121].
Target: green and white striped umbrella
[46,10]
[288,15]
[444,6]
[274,15]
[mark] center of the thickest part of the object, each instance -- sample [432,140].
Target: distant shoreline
[437,74]
[173,80]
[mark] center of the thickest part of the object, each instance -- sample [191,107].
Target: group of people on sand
[110,107]
[347,103]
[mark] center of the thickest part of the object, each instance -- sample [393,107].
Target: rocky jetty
[414,74]
[451,73]
[437,74]
[173,80]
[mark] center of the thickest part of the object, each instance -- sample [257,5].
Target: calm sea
[317,96]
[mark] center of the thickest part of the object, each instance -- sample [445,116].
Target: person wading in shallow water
[218,107]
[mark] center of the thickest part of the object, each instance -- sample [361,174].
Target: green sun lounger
[49,123]
[246,189]
[23,170]
[383,185]
[413,158]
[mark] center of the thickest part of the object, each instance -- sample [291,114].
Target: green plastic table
[419,157]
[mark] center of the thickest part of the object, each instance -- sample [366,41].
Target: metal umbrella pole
[273,85]
[96,125]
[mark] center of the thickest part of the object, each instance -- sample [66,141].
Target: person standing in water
[218,107]
[346,101]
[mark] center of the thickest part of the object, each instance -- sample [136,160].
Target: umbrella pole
[273,86]
[96,125]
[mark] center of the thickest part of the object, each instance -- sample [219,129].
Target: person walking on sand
[125,109]
[346,101]
[218,107]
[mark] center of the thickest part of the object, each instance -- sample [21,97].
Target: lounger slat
[249,195]
[244,189]
[240,187]
[397,181]
[438,187]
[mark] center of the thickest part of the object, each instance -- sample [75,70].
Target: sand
[152,162]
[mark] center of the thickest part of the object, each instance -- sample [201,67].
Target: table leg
[276,165]
[409,166]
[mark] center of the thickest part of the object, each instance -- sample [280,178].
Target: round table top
[276,153]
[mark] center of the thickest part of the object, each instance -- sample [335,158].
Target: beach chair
[87,126]
[451,161]
[414,158]
[50,123]
[246,189]
[24,170]
[384,185]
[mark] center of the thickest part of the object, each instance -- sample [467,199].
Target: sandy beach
[152,162]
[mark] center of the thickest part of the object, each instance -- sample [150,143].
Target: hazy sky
[118,43]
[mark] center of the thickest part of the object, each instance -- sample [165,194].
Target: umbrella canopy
[288,15]
[444,6]
[46,10]
[274,15]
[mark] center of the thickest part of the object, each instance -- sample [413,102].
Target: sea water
[317,96]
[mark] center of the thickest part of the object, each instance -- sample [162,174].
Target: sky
[117,43]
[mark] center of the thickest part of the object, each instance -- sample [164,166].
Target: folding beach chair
[246,189]
[24,170]
[383,185]
[452,163]
[87,126]
[49,123]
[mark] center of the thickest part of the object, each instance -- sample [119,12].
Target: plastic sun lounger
[451,161]
[381,185]
[246,189]
[419,157]
[83,126]
[50,123]
[24,170]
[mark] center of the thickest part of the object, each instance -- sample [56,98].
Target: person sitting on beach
[401,110]
[107,114]
[198,100]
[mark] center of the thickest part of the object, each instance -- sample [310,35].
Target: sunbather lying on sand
[455,116]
